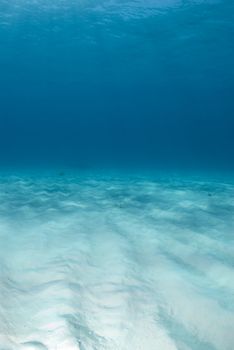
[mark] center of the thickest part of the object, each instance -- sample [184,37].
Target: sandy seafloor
[94,262]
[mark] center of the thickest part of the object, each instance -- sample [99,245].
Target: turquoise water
[95,82]
[90,261]
[116,175]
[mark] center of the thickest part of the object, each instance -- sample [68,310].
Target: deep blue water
[95,82]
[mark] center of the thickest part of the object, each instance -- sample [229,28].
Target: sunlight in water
[116,263]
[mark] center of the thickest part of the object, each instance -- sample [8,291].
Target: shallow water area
[102,260]
[116,262]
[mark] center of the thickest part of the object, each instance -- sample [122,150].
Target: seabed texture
[116,263]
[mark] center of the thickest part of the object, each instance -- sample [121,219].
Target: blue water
[91,82]
[116,175]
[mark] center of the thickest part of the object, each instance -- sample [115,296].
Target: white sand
[116,264]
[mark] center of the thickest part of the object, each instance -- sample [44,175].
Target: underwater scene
[116,175]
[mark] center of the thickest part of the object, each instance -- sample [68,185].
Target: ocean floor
[116,263]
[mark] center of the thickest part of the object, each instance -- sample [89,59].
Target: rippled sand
[95,263]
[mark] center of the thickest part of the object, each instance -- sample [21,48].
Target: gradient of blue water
[91,257]
[85,82]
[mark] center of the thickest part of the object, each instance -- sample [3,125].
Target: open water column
[116,175]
